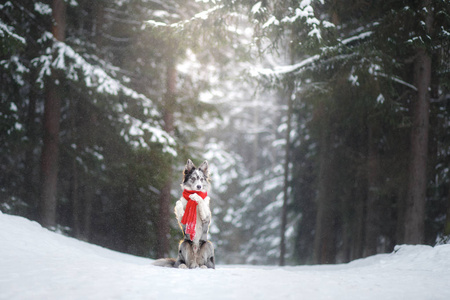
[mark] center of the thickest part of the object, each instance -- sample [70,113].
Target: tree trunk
[87,216]
[359,231]
[447,219]
[30,188]
[76,205]
[372,224]
[59,20]
[165,197]
[324,239]
[416,196]
[52,113]
[74,179]
[290,95]
[256,146]
[50,156]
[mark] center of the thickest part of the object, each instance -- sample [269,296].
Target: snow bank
[38,264]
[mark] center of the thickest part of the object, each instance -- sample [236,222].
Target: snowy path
[38,264]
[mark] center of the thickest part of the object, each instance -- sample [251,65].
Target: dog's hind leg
[165,262]
[182,253]
[186,256]
[206,255]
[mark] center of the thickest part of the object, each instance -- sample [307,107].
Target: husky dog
[194,216]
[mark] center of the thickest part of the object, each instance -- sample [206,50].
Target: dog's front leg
[179,210]
[203,209]
[205,229]
[205,217]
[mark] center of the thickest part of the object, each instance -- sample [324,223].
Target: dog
[194,217]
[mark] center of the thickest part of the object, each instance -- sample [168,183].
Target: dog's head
[196,179]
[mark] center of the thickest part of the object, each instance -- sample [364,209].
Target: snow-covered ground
[39,264]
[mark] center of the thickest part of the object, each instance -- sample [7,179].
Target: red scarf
[190,213]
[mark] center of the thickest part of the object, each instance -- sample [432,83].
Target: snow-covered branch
[6,32]
[360,36]
[278,70]
[63,57]
[375,71]
[199,16]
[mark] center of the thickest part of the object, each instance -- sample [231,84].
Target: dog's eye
[201,179]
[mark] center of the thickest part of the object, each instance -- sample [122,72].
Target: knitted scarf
[190,213]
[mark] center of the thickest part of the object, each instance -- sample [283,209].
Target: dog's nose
[199,187]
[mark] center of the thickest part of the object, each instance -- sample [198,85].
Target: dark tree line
[365,170]
[333,128]
[368,148]
[88,97]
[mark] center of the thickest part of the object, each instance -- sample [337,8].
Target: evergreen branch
[199,16]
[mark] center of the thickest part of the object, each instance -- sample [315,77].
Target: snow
[94,76]
[277,70]
[16,68]
[360,36]
[38,264]
[138,128]
[7,31]
[199,16]
[271,21]
[42,8]
[255,9]
[375,70]
[305,11]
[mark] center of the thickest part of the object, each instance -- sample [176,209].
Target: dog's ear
[189,166]
[204,168]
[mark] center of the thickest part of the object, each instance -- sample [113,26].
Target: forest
[326,123]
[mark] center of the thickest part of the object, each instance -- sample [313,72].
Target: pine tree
[52,115]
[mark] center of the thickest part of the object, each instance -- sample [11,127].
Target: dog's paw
[182,266]
[203,267]
[195,197]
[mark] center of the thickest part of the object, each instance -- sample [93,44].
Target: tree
[169,127]
[52,114]
[364,60]
[136,102]
[416,197]
[289,96]
[110,135]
